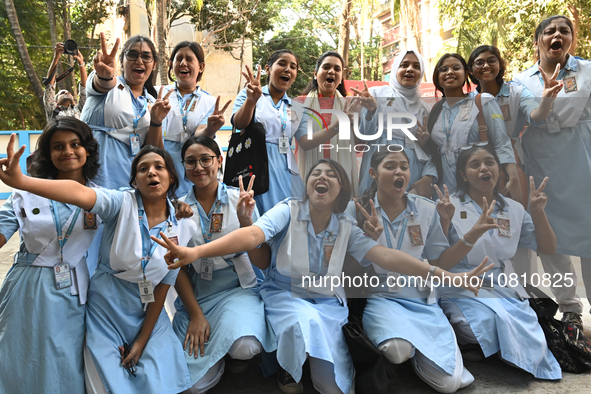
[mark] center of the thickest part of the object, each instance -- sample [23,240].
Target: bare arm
[104,67]
[545,236]
[198,329]
[254,91]
[319,137]
[551,89]
[2,240]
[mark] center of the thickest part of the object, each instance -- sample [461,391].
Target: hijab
[411,94]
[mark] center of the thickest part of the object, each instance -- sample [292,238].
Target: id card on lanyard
[134,139]
[284,145]
[185,114]
[215,226]
[61,270]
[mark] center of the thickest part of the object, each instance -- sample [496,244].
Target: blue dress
[305,322]
[408,312]
[284,179]
[231,310]
[41,328]
[116,314]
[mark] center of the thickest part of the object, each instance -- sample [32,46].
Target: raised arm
[104,67]
[254,91]
[545,237]
[551,89]
[66,191]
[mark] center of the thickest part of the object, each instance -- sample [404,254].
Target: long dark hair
[174,185]
[314,83]
[197,50]
[363,200]
[440,62]
[42,165]
[345,193]
[495,51]
[463,186]
[544,24]
[276,55]
[207,142]
[149,84]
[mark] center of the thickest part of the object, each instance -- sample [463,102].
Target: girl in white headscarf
[403,94]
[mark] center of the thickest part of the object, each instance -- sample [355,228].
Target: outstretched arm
[66,191]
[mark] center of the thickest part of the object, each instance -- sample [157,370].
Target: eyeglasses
[132,56]
[474,144]
[130,367]
[455,67]
[480,62]
[205,161]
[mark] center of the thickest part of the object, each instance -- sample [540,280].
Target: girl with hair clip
[453,123]
[401,318]
[308,241]
[43,296]
[327,91]
[217,296]
[130,344]
[273,110]
[500,320]
[403,94]
[193,111]
[561,146]
[125,112]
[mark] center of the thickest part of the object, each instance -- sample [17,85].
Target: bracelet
[152,124]
[431,272]
[468,244]
[104,79]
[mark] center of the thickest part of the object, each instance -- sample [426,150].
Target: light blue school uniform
[500,318]
[284,179]
[172,126]
[107,112]
[115,312]
[305,322]
[516,103]
[407,312]
[231,310]
[564,156]
[389,101]
[41,328]
[454,130]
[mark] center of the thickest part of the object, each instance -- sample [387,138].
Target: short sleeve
[302,130]
[170,277]
[8,220]
[527,103]
[274,220]
[527,238]
[108,204]
[436,242]
[204,120]
[359,245]
[497,132]
[351,210]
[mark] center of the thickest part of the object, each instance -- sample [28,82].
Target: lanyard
[401,231]
[146,258]
[137,118]
[207,235]
[327,236]
[284,119]
[58,226]
[445,129]
[185,114]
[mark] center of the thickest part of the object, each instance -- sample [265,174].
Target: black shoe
[235,366]
[472,352]
[287,383]
[574,318]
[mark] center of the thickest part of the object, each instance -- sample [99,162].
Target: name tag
[146,291]
[283,145]
[63,278]
[134,143]
[207,269]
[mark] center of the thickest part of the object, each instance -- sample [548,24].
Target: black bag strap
[432,148]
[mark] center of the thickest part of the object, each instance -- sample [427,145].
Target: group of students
[238,261]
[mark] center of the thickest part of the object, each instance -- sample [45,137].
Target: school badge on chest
[570,84]
[416,238]
[506,111]
[89,221]
[215,225]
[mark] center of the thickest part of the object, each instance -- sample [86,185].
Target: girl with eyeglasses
[308,241]
[560,147]
[130,344]
[453,123]
[42,325]
[220,318]
[125,112]
[500,319]
[193,111]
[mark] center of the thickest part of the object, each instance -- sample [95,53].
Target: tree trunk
[96,19]
[22,50]
[344,34]
[160,13]
[69,80]
[574,17]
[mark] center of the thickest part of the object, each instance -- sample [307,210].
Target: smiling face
[481,172]
[487,72]
[67,153]
[137,72]
[283,72]
[323,187]
[201,176]
[454,75]
[409,71]
[329,76]
[392,175]
[187,68]
[152,178]
[554,41]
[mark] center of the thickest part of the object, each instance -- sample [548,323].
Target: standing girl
[193,112]
[122,111]
[552,148]
[500,320]
[130,344]
[308,241]
[43,297]
[217,295]
[273,110]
